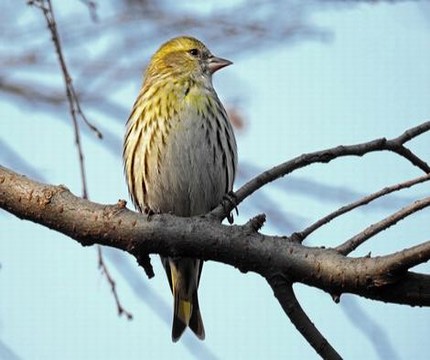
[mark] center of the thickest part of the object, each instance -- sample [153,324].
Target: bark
[384,278]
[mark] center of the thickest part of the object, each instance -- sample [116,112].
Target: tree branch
[72,97]
[363,201]
[325,156]
[354,242]
[283,291]
[105,271]
[202,237]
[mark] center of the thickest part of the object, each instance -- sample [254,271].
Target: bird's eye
[194,52]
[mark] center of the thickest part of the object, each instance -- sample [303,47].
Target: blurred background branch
[128,34]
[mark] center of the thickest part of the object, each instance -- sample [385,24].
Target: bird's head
[185,56]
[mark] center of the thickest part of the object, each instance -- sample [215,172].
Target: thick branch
[240,246]
[283,291]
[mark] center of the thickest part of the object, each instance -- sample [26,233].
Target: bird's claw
[148,212]
[231,198]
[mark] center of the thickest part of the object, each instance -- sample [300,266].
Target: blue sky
[370,79]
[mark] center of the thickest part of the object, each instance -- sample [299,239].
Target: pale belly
[189,176]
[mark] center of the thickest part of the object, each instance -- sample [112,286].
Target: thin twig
[325,156]
[302,235]
[74,106]
[412,133]
[106,273]
[352,243]
[75,111]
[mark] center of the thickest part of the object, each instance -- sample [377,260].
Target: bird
[180,155]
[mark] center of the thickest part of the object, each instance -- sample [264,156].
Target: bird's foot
[231,198]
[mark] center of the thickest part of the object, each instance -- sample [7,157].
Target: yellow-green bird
[180,155]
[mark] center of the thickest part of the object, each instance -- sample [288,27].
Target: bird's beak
[216,63]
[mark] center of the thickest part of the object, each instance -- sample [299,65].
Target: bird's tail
[187,313]
[184,276]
